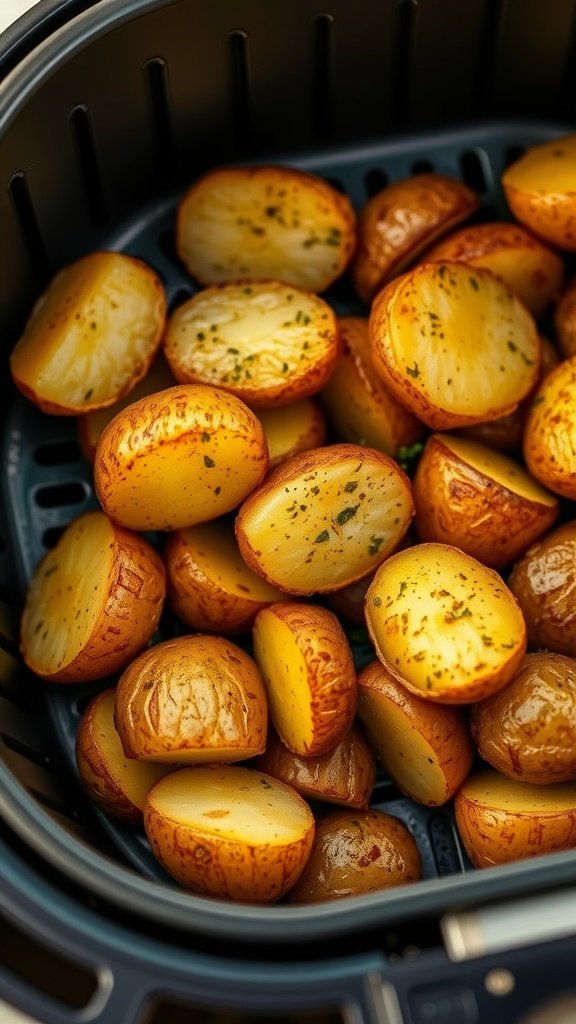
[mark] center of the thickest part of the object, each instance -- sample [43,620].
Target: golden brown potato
[210,587]
[356,852]
[91,335]
[192,700]
[266,342]
[265,222]
[565,320]
[471,496]
[527,731]
[325,518]
[118,784]
[543,583]
[348,602]
[540,189]
[445,625]
[360,406]
[426,749]
[437,329]
[550,432]
[229,832]
[94,601]
[184,456]
[306,662]
[530,268]
[398,223]
[502,820]
[345,775]
[292,429]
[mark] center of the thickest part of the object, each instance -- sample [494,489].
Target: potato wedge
[292,429]
[543,583]
[356,852]
[210,587]
[529,267]
[192,700]
[229,832]
[184,456]
[540,189]
[306,662]
[325,518]
[550,432]
[565,320]
[502,820]
[425,749]
[266,342]
[345,775]
[445,625]
[400,221]
[94,601]
[481,501]
[454,344]
[265,222]
[92,334]
[361,408]
[527,731]
[116,783]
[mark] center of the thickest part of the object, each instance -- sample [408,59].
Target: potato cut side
[360,406]
[265,222]
[268,343]
[550,432]
[444,624]
[210,587]
[292,429]
[93,602]
[92,335]
[543,583]
[540,189]
[183,456]
[325,518]
[119,785]
[477,499]
[426,749]
[194,699]
[454,344]
[307,665]
[229,832]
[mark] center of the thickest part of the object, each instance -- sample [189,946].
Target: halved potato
[229,832]
[540,189]
[210,587]
[502,820]
[92,334]
[183,456]
[543,584]
[530,268]
[481,501]
[94,601]
[349,601]
[454,344]
[292,429]
[356,852]
[118,784]
[265,222]
[192,700]
[400,221]
[345,775]
[550,433]
[360,406]
[324,518]
[426,749]
[565,320]
[445,625]
[267,342]
[306,661]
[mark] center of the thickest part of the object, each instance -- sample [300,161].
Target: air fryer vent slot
[57,453]
[323,42]
[473,171]
[61,495]
[28,223]
[375,179]
[240,93]
[88,164]
[39,758]
[156,73]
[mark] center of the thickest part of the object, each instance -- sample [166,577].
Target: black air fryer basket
[108,110]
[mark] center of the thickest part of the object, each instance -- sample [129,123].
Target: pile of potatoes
[253,457]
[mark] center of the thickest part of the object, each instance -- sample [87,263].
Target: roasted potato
[550,432]
[540,189]
[349,601]
[192,700]
[400,221]
[292,429]
[502,820]
[324,518]
[229,832]
[91,335]
[356,852]
[454,344]
[445,625]
[94,601]
[184,456]
[565,320]
[265,222]
[543,582]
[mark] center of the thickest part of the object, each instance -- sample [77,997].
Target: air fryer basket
[107,111]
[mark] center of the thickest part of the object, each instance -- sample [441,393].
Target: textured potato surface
[541,190]
[550,432]
[544,582]
[565,319]
[292,429]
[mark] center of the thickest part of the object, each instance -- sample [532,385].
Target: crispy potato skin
[539,188]
[565,320]
[550,432]
[543,582]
